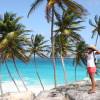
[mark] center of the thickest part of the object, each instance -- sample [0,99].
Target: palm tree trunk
[64,69]
[19,73]
[76,73]
[62,61]
[1,90]
[53,43]
[54,68]
[11,76]
[38,73]
[96,39]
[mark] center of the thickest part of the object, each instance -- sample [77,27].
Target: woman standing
[91,66]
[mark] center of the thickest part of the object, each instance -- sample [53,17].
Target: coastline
[9,87]
[75,91]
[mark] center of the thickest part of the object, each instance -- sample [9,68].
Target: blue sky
[37,22]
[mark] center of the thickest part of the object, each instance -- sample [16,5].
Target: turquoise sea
[45,69]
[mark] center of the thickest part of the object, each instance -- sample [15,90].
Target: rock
[76,91]
[50,95]
[81,93]
[18,96]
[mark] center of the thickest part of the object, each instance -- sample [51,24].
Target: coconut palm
[62,4]
[14,50]
[53,48]
[80,55]
[68,27]
[62,27]
[69,24]
[96,26]
[61,50]
[51,12]
[11,75]
[1,90]
[13,40]
[34,5]
[38,48]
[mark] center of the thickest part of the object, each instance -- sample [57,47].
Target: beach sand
[9,87]
[10,92]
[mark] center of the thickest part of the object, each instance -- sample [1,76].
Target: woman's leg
[91,75]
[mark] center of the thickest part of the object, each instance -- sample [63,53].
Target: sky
[37,22]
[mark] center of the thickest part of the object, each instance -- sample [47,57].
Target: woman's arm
[97,52]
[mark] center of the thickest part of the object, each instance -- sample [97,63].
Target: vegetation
[66,36]
[38,48]
[66,16]
[52,14]
[96,33]
[96,27]
[12,30]
[61,4]
[80,55]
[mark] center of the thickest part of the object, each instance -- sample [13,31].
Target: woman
[91,66]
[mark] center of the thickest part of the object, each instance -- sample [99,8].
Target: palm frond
[90,22]
[38,45]
[96,26]
[75,7]
[34,5]
[96,19]
[80,51]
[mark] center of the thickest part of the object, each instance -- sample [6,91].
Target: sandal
[91,91]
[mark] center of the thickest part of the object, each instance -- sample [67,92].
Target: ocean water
[45,69]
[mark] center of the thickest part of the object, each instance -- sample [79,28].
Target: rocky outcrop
[76,91]
[50,95]
[18,96]
[80,92]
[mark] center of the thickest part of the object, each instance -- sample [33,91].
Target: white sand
[8,86]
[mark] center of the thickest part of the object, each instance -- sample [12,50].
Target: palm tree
[51,12]
[53,48]
[62,4]
[13,40]
[1,90]
[96,32]
[96,26]
[80,55]
[11,76]
[14,50]
[61,50]
[39,48]
[66,34]
[69,24]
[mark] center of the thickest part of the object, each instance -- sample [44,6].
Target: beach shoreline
[80,88]
[9,87]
